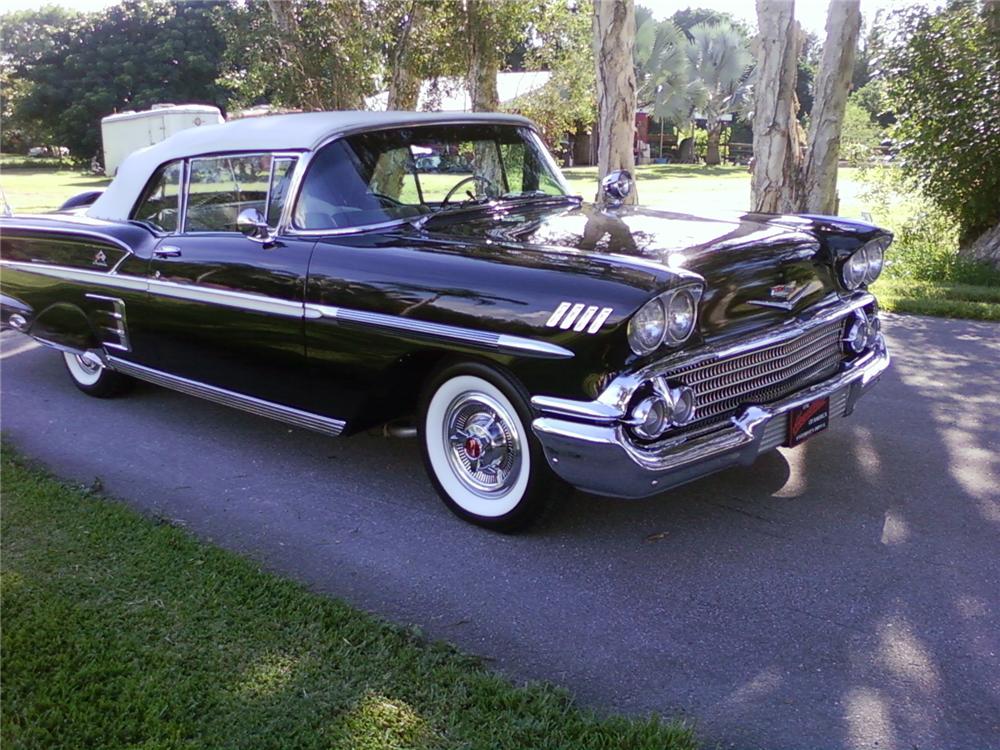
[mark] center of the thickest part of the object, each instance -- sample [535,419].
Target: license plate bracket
[806,420]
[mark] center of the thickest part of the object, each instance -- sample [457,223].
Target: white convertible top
[297,132]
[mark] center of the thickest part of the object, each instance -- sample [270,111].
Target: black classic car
[342,271]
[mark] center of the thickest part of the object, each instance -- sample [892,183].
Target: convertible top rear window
[382,176]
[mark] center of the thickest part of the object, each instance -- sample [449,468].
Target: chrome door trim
[500,342]
[297,417]
[226,298]
[241,300]
[101,278]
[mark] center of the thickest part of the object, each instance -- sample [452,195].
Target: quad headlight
[664,408]
[681,312]
[668,319]
[646,329]
[865,265]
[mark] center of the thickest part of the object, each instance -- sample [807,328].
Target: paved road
[842,595]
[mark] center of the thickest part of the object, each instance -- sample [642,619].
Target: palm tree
[720,62]
[665,85]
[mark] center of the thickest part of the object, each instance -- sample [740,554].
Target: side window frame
[294,156]
[276,157]
[181,194]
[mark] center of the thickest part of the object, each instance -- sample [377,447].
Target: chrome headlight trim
[852,273]
[688,294]
[647,327]
[865,264]
[875,256]
[684,295]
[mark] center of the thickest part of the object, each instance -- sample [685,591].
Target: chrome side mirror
[616,186]
[252,224]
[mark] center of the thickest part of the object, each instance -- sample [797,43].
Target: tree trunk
[483,61]
[712,157]
[404,85]
[833,83]
[986,248]
[614,39]
[777,152]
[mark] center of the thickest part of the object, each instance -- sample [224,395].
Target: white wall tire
[93,378]
[84,372]
[479,451]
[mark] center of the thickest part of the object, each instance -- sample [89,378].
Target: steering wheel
[476,178]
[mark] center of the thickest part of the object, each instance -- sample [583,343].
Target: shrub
[859,137]
[926,236]
[942,75]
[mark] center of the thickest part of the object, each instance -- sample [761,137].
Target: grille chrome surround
[723,385]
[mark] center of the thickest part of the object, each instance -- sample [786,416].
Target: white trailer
[126,132]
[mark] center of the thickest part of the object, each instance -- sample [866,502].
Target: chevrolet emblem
[782,296]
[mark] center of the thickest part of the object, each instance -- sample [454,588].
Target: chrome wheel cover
[87,364]
[482,443]
[85,369]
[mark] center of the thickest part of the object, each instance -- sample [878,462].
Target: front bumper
[600,458]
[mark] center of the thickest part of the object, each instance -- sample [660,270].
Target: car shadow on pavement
[853,582]
[841,594]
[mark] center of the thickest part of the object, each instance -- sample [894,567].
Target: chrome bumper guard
[602,459]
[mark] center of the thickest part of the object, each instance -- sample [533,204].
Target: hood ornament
[616,187]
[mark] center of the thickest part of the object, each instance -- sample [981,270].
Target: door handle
[167,251]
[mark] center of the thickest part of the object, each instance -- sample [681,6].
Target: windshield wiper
[540,195]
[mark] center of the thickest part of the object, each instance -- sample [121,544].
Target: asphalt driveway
[844,594]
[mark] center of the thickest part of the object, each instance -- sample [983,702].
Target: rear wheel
[93,378]
[479,451]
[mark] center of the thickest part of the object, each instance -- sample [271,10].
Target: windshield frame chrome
[286,226]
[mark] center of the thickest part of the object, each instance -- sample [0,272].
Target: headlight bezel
[635,325]
[875,249]
[865,265]
[683,293]
[691,294]
[853,270]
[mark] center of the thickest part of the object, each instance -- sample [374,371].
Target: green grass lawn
[119,631]
[696,188]
[942,300]
[40,189]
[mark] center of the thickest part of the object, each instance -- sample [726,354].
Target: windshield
[382,176]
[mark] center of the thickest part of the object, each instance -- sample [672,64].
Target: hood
[757,268]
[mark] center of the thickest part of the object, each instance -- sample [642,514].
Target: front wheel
[479,452]
[93,378]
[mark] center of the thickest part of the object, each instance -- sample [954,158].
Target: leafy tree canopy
[942,77]
[76,69]
[560,42]
[688,18]
[319,55]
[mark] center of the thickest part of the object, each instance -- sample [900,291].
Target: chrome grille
[761,376]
